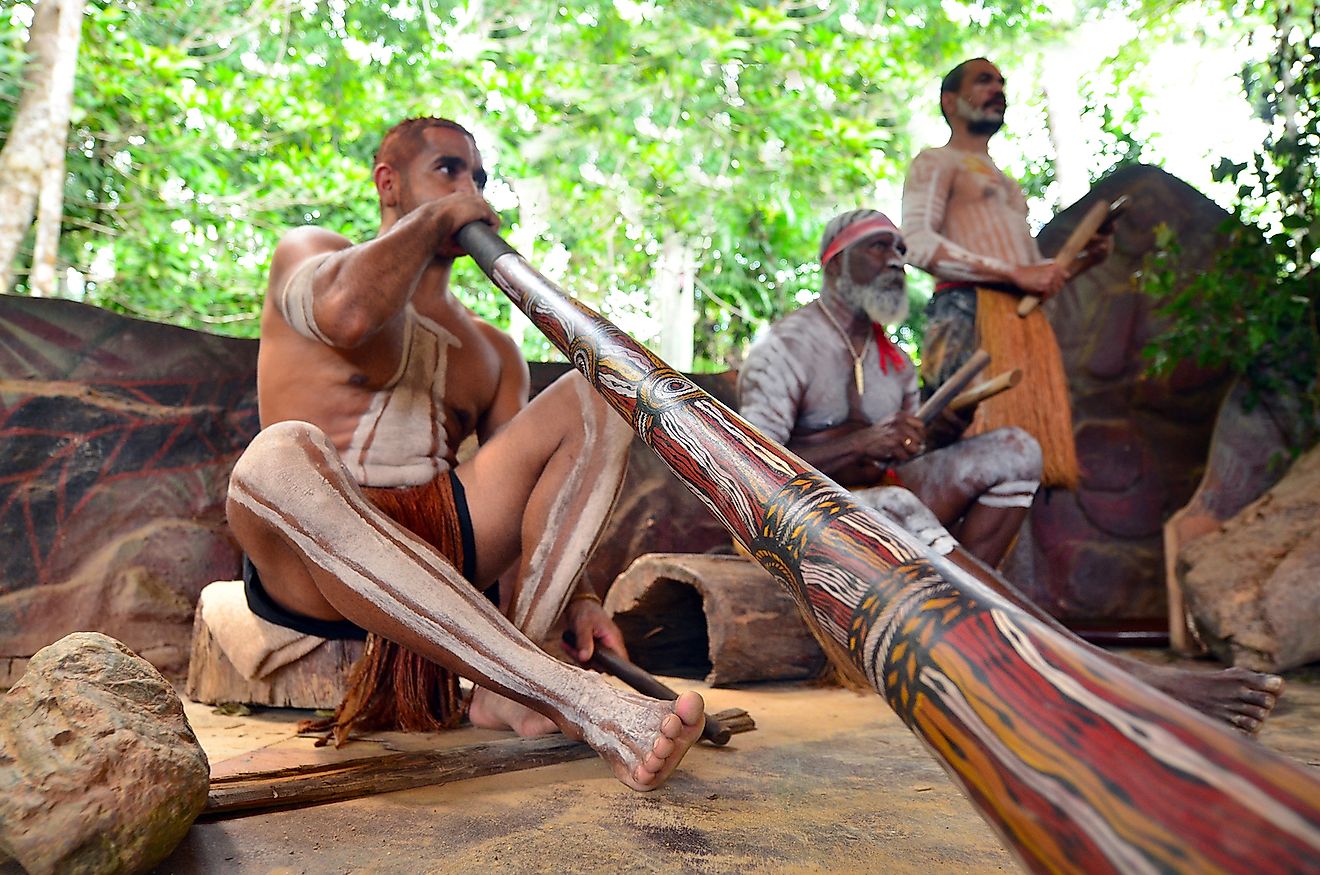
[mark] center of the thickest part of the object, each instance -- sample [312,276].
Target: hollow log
[721,618]
[1077,765]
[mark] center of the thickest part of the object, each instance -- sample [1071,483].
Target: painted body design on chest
[400,438]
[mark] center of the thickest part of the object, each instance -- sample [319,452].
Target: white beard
[884,299]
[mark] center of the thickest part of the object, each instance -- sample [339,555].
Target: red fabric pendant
[889,353]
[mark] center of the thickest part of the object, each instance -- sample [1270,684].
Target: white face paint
[883,298]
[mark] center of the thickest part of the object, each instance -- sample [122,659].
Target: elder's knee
[910,513]
[899,504]
[1019,445]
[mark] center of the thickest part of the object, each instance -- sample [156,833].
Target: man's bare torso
[396,407]
[963,219]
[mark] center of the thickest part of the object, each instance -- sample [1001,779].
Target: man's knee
[1024,449]
[274,451]
[600,420]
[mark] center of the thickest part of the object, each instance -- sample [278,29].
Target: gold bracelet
[585,594]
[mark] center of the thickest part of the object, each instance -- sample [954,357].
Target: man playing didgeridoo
[966,223]
[830,370]
[355,515]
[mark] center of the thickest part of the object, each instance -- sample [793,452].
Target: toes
[663,747]
[1251,712]
[689,707]
[1258,699]
[1249,725]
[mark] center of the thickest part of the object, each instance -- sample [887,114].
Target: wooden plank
[318,783]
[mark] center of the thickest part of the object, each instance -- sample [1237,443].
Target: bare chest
[981,187]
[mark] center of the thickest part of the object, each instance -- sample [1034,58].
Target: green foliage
[203,129]
[1254,311]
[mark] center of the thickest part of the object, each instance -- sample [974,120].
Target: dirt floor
[829,781]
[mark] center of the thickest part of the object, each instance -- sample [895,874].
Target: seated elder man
[827,382]
[355,515]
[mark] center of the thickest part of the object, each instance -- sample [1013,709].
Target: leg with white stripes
[295,508]
[980,488]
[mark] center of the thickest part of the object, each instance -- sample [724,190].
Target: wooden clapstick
[1097,217]
[952,386]
[990,388]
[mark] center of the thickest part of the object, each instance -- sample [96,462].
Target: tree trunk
[34,151]
[672,292]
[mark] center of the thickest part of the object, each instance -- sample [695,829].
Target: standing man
[829,384]
[355,515]
[966,223]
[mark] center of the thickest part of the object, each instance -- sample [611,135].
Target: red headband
[857,232]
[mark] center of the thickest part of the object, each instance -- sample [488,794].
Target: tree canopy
[203,129]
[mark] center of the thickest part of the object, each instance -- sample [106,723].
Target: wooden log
[718,617]
[300,786]
[1077,765]
[317,680]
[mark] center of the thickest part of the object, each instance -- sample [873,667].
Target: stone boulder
[1253,588]
[117,437]
[1097,554]
[99,770]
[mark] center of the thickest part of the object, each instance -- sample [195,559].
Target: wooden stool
[316,680]
[723,618]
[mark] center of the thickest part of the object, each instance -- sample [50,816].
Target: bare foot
[492,711]
[1238,696]
[644,747]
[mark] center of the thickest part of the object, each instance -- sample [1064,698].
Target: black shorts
[261,604]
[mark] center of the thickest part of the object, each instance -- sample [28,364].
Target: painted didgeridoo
[1077,765]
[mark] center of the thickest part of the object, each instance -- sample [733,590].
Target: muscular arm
[355,290]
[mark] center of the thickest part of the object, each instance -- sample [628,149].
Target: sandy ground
[830,781]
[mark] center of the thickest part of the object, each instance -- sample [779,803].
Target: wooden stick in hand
[1096,218]
[952,386]
[990,388]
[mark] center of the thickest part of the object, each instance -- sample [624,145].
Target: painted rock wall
[116,441]
[1141,442]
